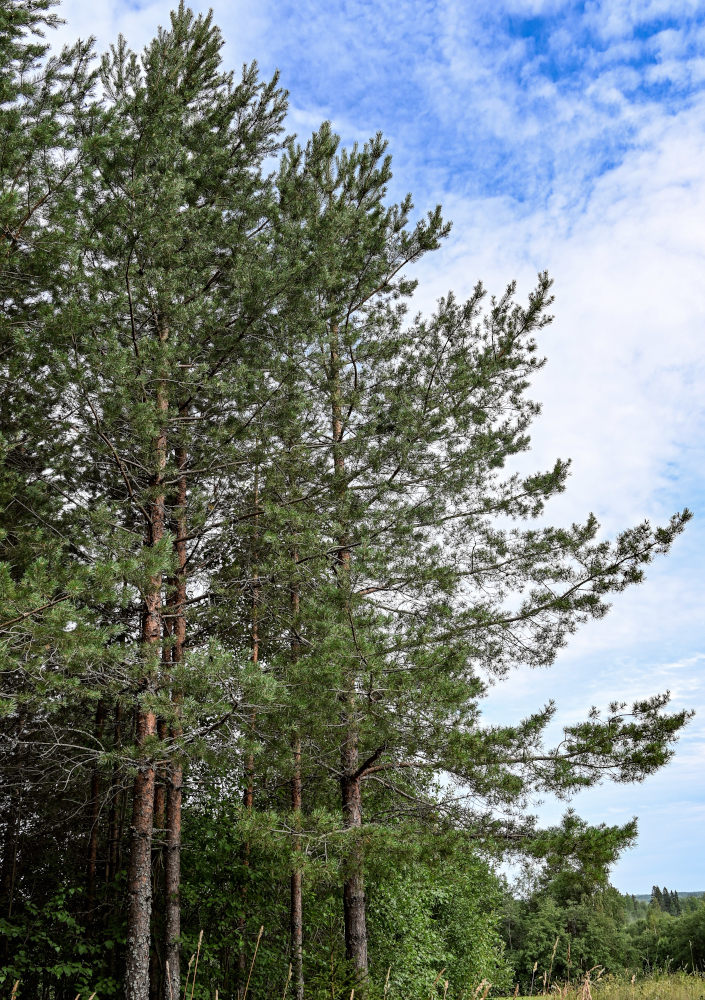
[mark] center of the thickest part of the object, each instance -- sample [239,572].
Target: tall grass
[593,985]
[658,984]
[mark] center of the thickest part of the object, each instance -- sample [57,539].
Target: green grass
[658,986]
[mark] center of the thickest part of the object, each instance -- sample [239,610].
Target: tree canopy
[264,552]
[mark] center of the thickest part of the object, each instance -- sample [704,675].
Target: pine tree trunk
[248,795]
[354,911]
[354,885]
[158,848]
[296,910]
[160,788]
[172,878]
[174,795]
[139,874]
[297,940]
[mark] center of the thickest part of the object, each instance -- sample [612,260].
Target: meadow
[656,986]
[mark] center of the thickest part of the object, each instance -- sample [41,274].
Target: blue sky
[566,136]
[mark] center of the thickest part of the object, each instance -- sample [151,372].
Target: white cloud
[138,22]
[616,18]
[621,392]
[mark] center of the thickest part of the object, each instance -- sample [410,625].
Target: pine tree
[42,104]
[45,633]
[164,312]
[422,420]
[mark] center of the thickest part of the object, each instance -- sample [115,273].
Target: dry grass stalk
[533,973]
[168,979]
[198,952]
[288,980]
[252,963]
[435,981]
[188,973]
[481,991]
[550,968]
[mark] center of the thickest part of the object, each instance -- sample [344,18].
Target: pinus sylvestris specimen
[429,595]
[167,299]
[45,634]
[42,104]
[251,429]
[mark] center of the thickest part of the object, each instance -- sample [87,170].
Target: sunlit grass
[596,986]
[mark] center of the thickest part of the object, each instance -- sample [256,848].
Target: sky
[567,136]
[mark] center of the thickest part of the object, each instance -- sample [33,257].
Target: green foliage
[215,399]
[570,938]
[427,912]
[591,926]
[436,918]
[47,943]
[664,941]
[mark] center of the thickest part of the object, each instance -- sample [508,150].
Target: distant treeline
[648,896]
[563,929]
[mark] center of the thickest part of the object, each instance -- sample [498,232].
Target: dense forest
[262,554]
[564,928]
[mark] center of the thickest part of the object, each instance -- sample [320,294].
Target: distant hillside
[681,895]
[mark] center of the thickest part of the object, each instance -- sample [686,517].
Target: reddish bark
[139,875]
[160,788]
[296,908]
[158,847]
[172,877]
[174,791]
[296,912]
[354,910]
